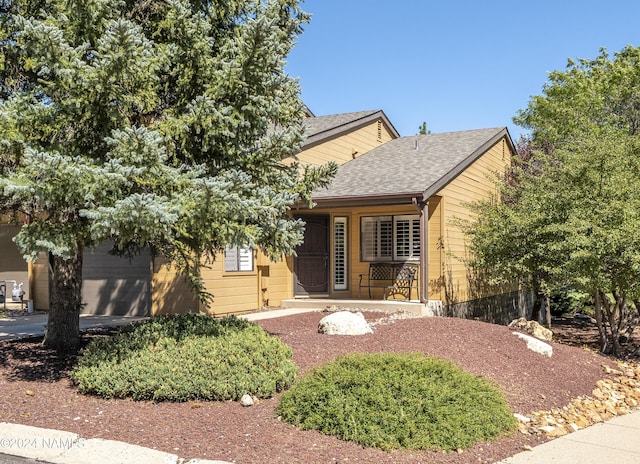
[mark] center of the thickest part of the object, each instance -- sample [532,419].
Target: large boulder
[532,328]
[536,345]
[344,323]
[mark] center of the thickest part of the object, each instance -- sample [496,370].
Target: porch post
[423,209]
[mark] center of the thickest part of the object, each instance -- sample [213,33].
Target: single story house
[392,203]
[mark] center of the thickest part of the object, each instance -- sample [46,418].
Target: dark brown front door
[312,260]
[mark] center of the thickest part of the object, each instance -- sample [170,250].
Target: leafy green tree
[574,215]
[156,123]
[513,236]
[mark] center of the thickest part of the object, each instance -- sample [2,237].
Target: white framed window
[238,259]
[340,253]
[406,232]
[390,238]
[376,238]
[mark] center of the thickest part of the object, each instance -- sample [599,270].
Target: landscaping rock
[344,323]
[246,400]
[532,328]
[611,397]
[536,345]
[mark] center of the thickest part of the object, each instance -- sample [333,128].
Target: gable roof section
[321,128]
[408,167]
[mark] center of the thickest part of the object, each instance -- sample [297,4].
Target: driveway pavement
[30,325]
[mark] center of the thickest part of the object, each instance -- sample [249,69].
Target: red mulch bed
[35,390]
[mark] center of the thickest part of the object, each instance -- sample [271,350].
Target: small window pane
[238,259]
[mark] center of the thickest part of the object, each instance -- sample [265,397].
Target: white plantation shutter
[376,238]
[386,238]
[368,239]
[238,259]
[340,253]
[245,259]
[415,238]
[403,239]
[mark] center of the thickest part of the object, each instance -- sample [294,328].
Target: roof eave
[464,164]
[369,200]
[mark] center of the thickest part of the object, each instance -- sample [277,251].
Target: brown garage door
[114,285]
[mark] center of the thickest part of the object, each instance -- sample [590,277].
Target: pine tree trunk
[65,299]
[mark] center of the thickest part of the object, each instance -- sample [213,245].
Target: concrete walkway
[613,441]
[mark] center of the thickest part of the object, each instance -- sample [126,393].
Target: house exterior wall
[475,183]
[170,294]
[269,282]
[233,292]
[39,283]
[435,251]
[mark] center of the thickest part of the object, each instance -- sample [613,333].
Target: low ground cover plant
[392,401]
[186,357]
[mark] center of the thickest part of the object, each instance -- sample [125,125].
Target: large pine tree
[156,123]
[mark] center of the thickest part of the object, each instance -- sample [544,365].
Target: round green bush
[392,401]
[184,358]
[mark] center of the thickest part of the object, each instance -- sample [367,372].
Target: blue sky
[455,64]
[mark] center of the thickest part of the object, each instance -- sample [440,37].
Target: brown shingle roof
[418,165]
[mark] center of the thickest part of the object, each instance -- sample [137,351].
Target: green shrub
[566,300]
[183,358]
[392,401]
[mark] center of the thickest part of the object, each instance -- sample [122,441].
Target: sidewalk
[613,441]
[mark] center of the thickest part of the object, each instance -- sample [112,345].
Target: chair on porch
[406,279]
[379,276]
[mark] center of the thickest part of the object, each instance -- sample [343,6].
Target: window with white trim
[390,238]
[238,259]
[340,253]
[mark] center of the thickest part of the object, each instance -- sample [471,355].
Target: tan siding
[170,293]
[279,283]
[233,292]
[475,183]
[237,292]
[435,250]
[271,282]
[346,147]
[40,282]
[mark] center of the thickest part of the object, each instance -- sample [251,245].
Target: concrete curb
[59,447]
